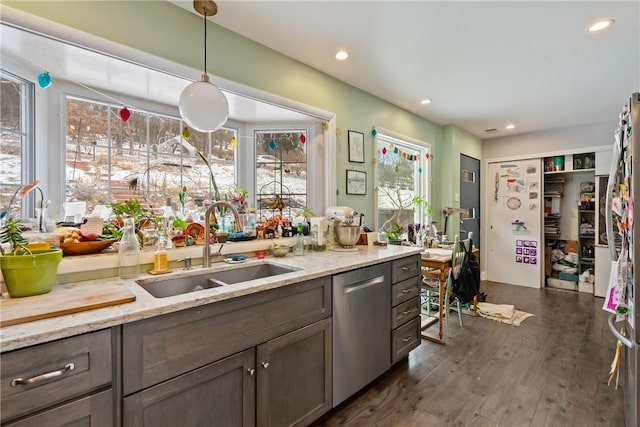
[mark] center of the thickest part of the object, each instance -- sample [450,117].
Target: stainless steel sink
[244,274]
[210,279]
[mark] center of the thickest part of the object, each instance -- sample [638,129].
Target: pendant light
[202,104]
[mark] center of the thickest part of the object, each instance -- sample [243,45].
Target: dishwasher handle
[357,286]
[624,340]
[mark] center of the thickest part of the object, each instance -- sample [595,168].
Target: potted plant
[26,272]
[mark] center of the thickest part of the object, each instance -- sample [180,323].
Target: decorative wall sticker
[533,185]
[533,195]
[512,171]
[526,251]
[532,169]
[519,227]
[516,185]
[513,203]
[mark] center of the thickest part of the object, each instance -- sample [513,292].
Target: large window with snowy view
[148,157]
[402,186]
[16,143]
[281,171]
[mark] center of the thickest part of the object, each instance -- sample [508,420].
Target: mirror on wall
[113,155]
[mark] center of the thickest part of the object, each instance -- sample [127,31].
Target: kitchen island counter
[311,265]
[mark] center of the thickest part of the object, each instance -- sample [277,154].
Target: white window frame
[27,137]
[422,181]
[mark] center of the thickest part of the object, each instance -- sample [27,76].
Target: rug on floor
[504,313]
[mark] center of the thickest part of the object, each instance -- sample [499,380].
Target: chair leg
[446,312]
[428,302]
[459,312]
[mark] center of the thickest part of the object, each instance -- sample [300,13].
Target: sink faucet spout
[206,256]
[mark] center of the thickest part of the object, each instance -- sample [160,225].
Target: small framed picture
[356,182]
[356,146]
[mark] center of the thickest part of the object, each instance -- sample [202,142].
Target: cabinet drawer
[405,268]
[163,347]
[404,312]
[92,411]
[404,291]
[405,339]
[55,372]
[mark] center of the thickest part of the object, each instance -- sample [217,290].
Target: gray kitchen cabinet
[262,358]
[294,377]
[64,381]
[218,394]
[95,410]
[405,306]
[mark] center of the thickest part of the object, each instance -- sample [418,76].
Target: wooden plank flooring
[550,371]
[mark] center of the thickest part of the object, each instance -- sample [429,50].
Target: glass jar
[129,251]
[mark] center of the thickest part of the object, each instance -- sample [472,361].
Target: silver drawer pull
[407,338]
[406,291]
[67,368]
[265,365]
[251,371]
[411,310]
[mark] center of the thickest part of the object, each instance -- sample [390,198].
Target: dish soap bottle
[160,260]
[129,251]
[299,248]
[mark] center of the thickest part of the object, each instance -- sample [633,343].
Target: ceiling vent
[492,130]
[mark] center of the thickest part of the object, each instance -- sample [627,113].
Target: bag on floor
[467,285]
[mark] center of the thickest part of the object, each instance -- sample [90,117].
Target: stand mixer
[343,231]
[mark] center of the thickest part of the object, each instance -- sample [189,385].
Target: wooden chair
[431,278]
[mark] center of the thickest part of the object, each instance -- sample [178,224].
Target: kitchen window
[146,157]
[402,175]
[17,142]
[281,171]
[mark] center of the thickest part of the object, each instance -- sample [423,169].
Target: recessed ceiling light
[600,25]
[510,126]
[341,55]
[425,101]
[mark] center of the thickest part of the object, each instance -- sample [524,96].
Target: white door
[514,240]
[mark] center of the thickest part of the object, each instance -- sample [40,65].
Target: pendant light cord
[205,41]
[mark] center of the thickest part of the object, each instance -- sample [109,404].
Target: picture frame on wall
[356,146]
[356,182]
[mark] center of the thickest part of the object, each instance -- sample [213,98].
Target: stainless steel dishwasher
[361,328]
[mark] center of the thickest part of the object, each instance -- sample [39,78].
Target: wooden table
[442,263]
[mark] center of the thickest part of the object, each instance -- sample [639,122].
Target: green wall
[167,31]
[456,141]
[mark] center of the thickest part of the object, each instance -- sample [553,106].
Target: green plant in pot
[26,272]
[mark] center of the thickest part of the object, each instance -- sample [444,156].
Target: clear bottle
[129,251]
[160,259]
[299,248]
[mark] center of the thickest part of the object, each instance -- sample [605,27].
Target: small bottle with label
[160,259]
[299,248]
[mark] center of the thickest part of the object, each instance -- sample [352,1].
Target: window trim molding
[426,167]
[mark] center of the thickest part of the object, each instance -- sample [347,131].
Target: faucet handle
[187,263]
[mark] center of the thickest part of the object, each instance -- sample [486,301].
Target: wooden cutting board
[62,301]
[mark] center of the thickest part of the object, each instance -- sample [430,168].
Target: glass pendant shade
[203,106]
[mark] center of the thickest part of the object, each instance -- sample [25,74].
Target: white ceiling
[484,64]
[107,76]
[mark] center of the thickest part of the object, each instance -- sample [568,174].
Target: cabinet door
[219,394]
[294,376]
[92,411]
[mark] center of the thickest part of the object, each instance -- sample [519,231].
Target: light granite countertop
[311,265]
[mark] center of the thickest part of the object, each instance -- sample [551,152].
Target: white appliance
[319,230]
[621,235]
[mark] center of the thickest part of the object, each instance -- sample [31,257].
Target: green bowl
[27,275]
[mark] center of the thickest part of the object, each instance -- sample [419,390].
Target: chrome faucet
[206,256]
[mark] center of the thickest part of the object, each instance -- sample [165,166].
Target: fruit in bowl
[280,250]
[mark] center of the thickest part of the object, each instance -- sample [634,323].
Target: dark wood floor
[551,371]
